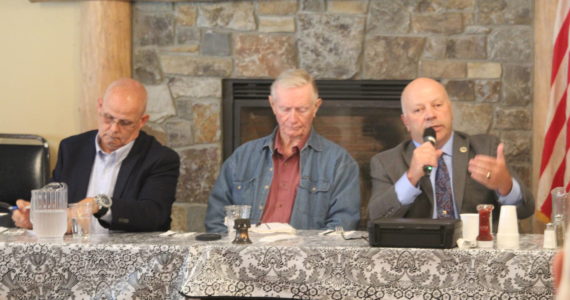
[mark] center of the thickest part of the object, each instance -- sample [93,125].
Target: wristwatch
[104,202]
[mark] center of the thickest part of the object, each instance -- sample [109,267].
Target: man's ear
[99,104]
[318,103]
[405,121]
[271,103]
[144,119]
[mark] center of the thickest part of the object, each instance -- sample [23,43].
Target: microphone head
[429,135]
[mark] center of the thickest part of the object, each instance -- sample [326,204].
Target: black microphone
[429,136]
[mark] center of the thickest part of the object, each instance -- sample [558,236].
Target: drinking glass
[559,199]
[80,216]
[234,212]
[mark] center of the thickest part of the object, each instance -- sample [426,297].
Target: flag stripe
[553,131]
[546,207]
[560,48]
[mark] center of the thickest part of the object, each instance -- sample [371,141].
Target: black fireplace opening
[362,116]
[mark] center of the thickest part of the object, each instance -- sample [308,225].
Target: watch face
[105,200]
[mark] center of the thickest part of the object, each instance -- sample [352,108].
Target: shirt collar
[278,146]
[118,154]
[313,141]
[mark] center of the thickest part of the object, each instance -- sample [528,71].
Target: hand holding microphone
[424,158]
[429,136]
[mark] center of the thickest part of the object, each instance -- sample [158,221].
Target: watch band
[102,211]
[103,202]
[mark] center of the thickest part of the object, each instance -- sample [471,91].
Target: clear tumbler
[559,199]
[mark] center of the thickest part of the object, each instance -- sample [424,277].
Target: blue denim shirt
[328,194]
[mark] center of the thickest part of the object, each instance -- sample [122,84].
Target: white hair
[294,78]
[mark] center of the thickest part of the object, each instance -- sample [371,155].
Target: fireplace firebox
[363,116]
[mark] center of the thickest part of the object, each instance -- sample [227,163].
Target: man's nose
[429,113]
[115,126]
[293,116]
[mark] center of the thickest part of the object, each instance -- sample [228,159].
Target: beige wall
[39,59]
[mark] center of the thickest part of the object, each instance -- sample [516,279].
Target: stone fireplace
[182,51]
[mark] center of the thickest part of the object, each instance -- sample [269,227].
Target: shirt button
[261,207]
[239,187]
[266,187]
[270,169]
[314,189]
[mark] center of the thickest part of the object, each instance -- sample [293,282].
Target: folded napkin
[273,228]
[276,237]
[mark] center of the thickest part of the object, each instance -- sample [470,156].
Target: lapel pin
[463,149]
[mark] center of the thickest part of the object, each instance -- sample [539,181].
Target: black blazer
[145,187]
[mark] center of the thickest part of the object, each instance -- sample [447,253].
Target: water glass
[234,212]
[80,217]
[559,213]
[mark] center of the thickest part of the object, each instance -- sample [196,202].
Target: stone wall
[480,49]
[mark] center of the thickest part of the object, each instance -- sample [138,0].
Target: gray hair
[294,78]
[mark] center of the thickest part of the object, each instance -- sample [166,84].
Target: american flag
[553,171]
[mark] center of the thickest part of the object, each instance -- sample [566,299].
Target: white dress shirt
[104,176]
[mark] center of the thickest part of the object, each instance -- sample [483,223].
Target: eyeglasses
[109,120]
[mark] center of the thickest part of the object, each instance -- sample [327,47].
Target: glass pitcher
[559,212]
[48,212]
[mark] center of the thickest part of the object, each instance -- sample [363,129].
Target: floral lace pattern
[309,266]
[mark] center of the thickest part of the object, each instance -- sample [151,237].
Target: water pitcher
[48,212]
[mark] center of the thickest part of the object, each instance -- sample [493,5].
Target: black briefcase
[414,233]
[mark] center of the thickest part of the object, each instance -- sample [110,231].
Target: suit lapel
[127,166]
[85,165]
[425,184]
[460,161]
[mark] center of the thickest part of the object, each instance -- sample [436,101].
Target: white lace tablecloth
[308,266]
[328,267]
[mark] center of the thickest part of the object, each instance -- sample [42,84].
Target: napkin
[276,237]
[272,228]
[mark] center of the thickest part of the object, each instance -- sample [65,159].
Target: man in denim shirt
[294,175]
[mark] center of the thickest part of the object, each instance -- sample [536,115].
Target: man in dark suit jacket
[128,177]
[477,167]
